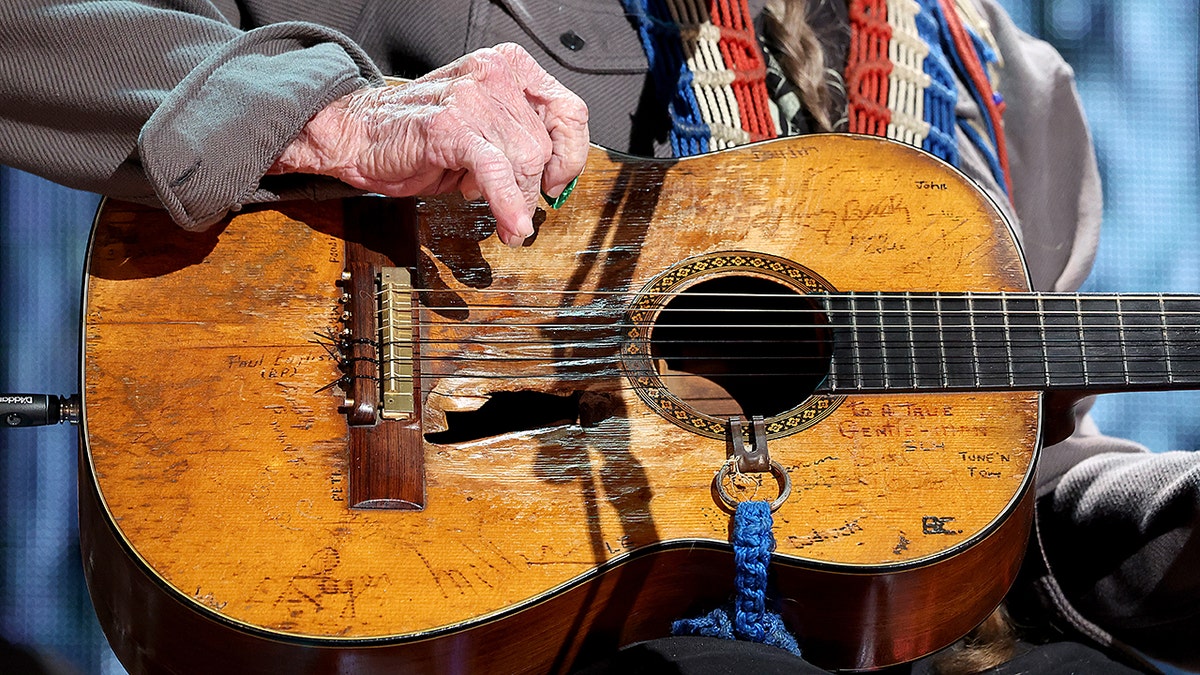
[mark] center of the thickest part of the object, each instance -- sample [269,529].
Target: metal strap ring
[777,470]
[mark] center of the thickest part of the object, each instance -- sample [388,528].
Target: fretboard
[1013,341]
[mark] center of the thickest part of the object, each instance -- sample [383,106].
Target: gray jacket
[186,103]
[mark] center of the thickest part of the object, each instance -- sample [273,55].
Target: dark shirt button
[572,41]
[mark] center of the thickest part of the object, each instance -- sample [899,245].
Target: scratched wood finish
[221,472]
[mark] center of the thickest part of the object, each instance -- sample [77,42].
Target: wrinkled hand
[492,124]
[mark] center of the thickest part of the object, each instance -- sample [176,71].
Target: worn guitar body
[216,515]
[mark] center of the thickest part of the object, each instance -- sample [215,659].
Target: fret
[992,346]
[959,363]
[1064,351]
[1141,338]
[843,371]
[1063,333]
[1181,316]
[974,336]
[1142,332]
[854,336]
[831,382]
[869,348]
[1151,360]
[883,355]
[1008,340]
[941,338]
[897,335]
[1041,314]
[869,355]
[1166,340]
[912,339]
[1026,341]
[1102,341]
[927,354]
[1147,351]
[1123,344]
[1083,360]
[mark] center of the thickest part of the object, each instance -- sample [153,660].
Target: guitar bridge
[385,460]
[395,344]
[378,344]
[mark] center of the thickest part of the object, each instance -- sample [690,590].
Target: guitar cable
[35,410]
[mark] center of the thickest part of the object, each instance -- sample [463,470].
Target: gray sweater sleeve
[162,102]
[1120,531]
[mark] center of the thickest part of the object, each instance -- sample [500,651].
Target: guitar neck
[890,342]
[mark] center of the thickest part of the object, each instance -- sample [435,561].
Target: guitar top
[570,403]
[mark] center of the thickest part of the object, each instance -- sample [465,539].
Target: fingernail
[556,202]
[517,239]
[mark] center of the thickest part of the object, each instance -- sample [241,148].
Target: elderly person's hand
[492,124]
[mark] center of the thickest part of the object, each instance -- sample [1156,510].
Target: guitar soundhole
[741,345]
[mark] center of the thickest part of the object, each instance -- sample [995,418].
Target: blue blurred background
[1137,65]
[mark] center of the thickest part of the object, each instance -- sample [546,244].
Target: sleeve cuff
[207,147]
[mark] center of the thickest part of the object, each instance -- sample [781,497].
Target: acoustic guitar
[366,436]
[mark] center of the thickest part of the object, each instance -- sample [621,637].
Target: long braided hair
[787,30]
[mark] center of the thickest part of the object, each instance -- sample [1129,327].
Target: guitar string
[1011,295]
[816,302]
[590,312]
[1056,336]
[965,380]
[592,368]
[980,362]
[491,335]
[861,327]
[600,313]
[942,296]
[996,381]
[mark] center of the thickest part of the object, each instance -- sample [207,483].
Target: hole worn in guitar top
[511,411]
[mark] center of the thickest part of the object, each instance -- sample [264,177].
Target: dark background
[1137,66]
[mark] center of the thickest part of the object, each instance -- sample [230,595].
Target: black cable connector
[34,410]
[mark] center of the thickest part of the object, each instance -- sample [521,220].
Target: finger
[496,107]
[516,131]
[470,188]
[564,115]
[493,174]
